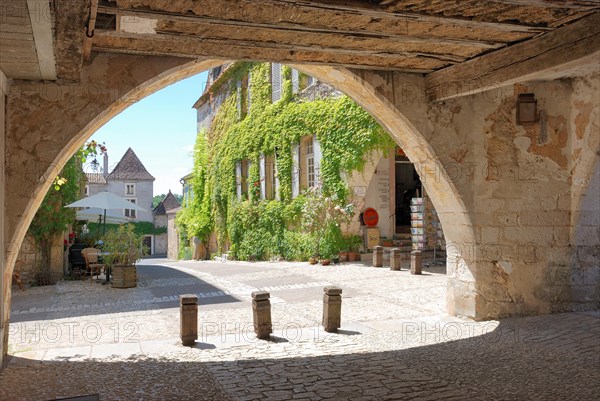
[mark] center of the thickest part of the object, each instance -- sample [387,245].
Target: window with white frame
[270,182]
[310,163]
[275,82]
[130,212]
[129,189]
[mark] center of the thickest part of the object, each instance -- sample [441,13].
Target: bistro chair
[91,262]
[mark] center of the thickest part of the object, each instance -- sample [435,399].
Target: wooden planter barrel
[124,276]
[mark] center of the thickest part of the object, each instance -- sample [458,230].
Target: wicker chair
[91,262]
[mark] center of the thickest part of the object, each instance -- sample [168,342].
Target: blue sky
[161,130]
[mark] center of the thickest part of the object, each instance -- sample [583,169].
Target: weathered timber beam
[520,62]
[190,47]
[91,25]
[314,41]
[325,34]
[582,5]
[313,15]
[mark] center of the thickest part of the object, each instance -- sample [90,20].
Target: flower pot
[325,262]
[124,276]
[343,256]
[353,256]
[313,260]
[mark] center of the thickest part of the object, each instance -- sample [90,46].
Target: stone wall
[29,259]
[173,237]
[160,244]
[509,197]
[3,225]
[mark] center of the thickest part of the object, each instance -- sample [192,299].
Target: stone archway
[506,199]
[71,113]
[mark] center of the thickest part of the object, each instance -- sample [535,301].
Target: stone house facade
[387,182]
[161,219]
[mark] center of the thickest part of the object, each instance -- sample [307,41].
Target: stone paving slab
[396,342]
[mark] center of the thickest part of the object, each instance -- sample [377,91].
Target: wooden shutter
[295,81]
[275,82]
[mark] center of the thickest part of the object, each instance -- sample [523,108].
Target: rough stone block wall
[172,238]
[160,244]
[29,259]
[3,225]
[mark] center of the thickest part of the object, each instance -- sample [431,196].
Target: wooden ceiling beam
[191,47]
[340,16]
[520,62]
[333,34]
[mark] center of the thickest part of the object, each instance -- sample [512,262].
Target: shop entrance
[408,186]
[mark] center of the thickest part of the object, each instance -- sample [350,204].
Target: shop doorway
[407,186]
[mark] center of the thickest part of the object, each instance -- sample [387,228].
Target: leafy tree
[52,218]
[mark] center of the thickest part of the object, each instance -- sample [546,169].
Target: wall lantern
[526,109]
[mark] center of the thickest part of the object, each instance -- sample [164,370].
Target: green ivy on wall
[264,229]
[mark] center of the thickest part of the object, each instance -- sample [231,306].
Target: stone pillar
[261,311]
[332,309]
[188,313]
[395,259]
[416,262]
[378,256]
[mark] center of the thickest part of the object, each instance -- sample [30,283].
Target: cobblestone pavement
[396,342]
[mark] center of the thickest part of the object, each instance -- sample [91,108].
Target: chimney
[105,165]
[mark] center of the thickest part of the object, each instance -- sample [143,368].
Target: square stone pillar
[395,259]
[332,309]
[416,262]
[261,312]
[378,256]
[188,316]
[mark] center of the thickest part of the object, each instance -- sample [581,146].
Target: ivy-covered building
[284,166]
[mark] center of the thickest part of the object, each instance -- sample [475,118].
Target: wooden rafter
[519,62]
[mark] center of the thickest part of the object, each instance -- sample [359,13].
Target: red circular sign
[370,217]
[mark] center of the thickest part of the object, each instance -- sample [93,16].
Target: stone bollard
[188,316]
[332,309]
[378,256]
[395,259]
[416,263]
[261,310]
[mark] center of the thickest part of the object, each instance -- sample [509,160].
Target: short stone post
[378,256]
[395,259]
[332,309]
[416,263]
[188,316]
[261,311]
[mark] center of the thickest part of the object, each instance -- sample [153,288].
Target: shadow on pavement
[543,358]
[158,287]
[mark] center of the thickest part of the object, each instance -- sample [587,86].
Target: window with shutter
[275,82]
[248,93]
[295,81]
[238,87]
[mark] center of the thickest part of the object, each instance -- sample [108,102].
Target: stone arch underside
[48,122]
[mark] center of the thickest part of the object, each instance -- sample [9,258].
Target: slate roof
[167,204]
[130,168]
[95,178]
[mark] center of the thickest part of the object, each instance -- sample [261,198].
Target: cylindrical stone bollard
[378,256]
[261,311]
[188,316]
[416,263]
[395,259]
[332,309]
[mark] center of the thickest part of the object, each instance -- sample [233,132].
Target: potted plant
[122,248]
[354,244]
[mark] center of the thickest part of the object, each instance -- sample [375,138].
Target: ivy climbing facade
[284,166]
